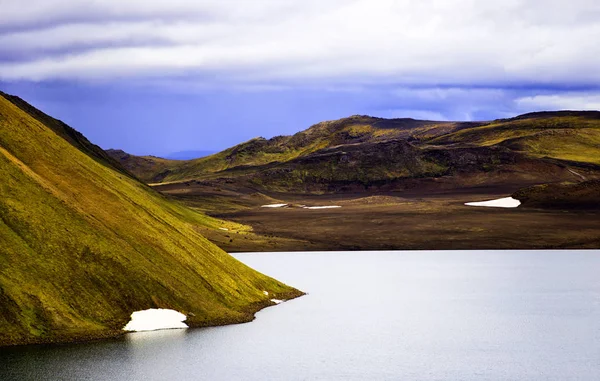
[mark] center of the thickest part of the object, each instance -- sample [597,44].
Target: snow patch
[277,301]
[507,202]
[322,207]
[154,319]
[266,293]
[274,206]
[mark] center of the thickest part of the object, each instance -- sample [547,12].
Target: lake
[455,315]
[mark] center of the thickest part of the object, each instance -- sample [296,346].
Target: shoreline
[247,315]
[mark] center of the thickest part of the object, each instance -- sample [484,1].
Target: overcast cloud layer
[421,42]
[514,55]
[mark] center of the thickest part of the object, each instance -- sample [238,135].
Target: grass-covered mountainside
[564,135]
[365,153]
[83,244]
[71,135]
[260,151]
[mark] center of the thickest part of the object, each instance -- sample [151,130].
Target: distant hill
[188,155]
[366,153]
[146,168]
[152,169]
[83,244]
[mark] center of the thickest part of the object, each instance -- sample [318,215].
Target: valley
[402,184]
[388,221]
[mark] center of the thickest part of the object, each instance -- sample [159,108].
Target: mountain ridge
[549,141]
[74,137]
[83,245]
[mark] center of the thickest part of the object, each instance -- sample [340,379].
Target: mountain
[363,153]
[260,151]
[83,244]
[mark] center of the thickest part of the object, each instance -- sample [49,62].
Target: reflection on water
[152,337]
[373,315]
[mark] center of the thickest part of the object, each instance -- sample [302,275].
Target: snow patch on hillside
[507,202]
[274,206]
[155,319]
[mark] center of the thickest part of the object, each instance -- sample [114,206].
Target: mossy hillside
[573,145]
[362,164]
[571,136]
[357,167]
[82,246]
[71,135]
[282,149]
[357,154]
[567,137]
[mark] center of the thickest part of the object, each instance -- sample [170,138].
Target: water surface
[480,315]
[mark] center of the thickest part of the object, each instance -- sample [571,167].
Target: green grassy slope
[361,152]
[71,135]
[83,245]
[361,164]
[532,148]
[281,149]
[561,135]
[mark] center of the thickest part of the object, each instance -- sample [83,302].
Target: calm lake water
[481,315]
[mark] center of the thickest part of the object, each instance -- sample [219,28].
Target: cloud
[565,101]
[452,103]
[325,43]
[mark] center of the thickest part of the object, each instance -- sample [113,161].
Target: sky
[157,77]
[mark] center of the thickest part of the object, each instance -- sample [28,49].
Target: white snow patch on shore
[155,319]
[322,207]
[274,206]
[266,293]
[277,301]
[507,202]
